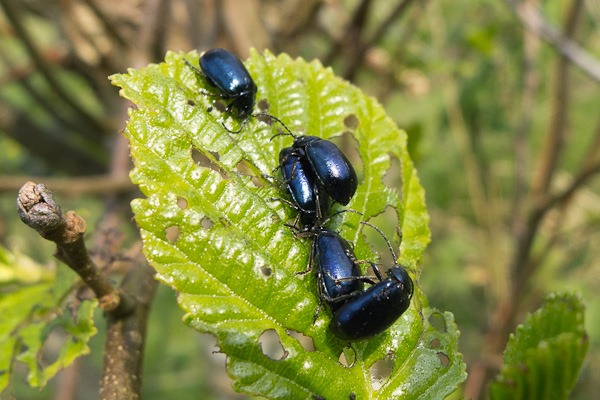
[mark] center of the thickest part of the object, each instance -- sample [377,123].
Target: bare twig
[531,47]
[66,388]
[92,185]
[108,24]
[126,307]
[38,209]
[125,338]
[353,40]
[533,20]
[547,166]
[352,33]
[242,24]
[160,26]
[555,138]
[581,179]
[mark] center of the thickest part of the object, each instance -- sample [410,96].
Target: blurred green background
[504,131]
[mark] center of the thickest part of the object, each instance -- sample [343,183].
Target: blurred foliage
[542,360]
[43,325]
[452,74]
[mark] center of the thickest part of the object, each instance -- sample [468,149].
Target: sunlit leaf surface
[214,230]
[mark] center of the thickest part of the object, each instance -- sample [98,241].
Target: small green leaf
[18,268]
[31,312]
[542,360]
[214,233]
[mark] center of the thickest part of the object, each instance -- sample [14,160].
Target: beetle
[224,71]
[330,165]
[339,277]
[377,308]
[304,188]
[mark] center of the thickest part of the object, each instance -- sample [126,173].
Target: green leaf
[18,268]
[33,307]
[542,360]
[214,233]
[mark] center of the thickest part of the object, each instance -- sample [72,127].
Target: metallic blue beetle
[303,186]
[378,307]
[331,167]
[375,309]
[227,73]
[339,277]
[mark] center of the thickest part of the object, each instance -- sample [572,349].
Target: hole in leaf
[202,160]
[435,344]
[172,233]
[263,105]
[348,357]
[53,344]
[247,169]
[351,122]
[266,271]
[393,175]
[265,119]
[206,223]
[349,146]
[305,341]
[271,346]
[444,359]
[182,203]
[438,322]
[381,371]
[387,222]
[219,105]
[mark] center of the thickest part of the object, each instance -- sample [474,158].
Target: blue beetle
[377,308]
[223,70]
[304,188]
[331,167]
[339,277]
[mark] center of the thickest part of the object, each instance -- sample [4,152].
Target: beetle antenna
[193,67]
[242,125]
[335,214]
[263,114]
[384,238]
